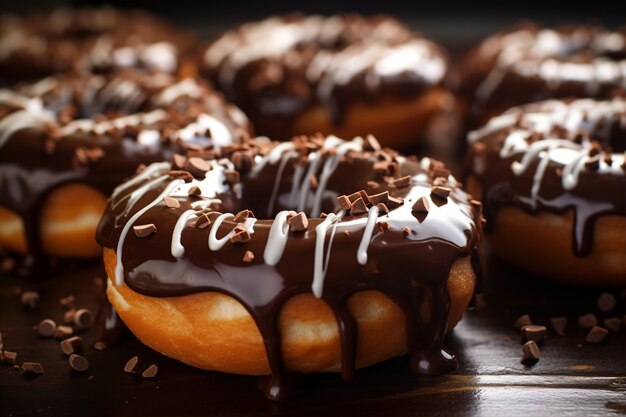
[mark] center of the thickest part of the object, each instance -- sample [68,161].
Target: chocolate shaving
[198,166]
[298,222]
[31,299]
[150,372]
[171,202]
[72,345]
[178,161]
[558,325]
[382,208]
[393,202]
[358,207]
[248,256]
[422,205]
[241,235]
[596,335]
[242,216]
[441,192]
[530,353]
[144,230]
[32,368]
[78,363]
[133,366]
[181,175]
[381,198]
[402,182]
[344,202]
[194,191]
[440,172]
[46,328]
[202,222]
[373,185]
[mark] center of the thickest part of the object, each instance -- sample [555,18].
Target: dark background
[454,23]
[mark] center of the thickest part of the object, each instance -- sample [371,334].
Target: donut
[196,276]
[531,64]
[66,141]
[552,179]
[346,75]
[92,39]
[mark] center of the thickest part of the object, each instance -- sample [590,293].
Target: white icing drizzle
[187,87]
[216,244]
[150,170]
[319,268]
[119,268]
[177,249]
[372,217]
[277,239]
[23,119]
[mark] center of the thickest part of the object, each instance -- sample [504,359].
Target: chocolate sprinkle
[46,328]
[72,345]
[83,318]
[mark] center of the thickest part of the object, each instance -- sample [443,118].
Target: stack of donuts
[320,244]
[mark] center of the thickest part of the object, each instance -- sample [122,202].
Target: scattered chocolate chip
[46,328]
[530,352]
[523,321]
[382,208]
[133,366]
[202,222]
[344,202]
[422,205]
[181,175]
[241,235]
[144,230]
[198,166]
[534,332]
[178,161]
[32,368]
[194,191]
[78,363]
[31,299]
[298,222]
[8,357]
[558,325]
[67,302]
[248,256]
[358,207]
[242,216]
[441,192]
[232,176]
[83,319]
[596,334]
[72,345]
[242,160]
[63,332]
[393,202]
[379,198]
[606,302]
[150,372]
[614,324]
[402,182]
[171,202]
[440,172]
[587,321]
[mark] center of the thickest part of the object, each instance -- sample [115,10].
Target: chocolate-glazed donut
[88,39]
[67,141]
[531,63]
[390,270]
[552,177]
[346,74]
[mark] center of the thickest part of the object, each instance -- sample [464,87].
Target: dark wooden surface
[572,377]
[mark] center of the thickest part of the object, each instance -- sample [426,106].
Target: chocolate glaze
[279,67]
[96,39]
[40,145]
[410,269]
[531,63]
[579,130]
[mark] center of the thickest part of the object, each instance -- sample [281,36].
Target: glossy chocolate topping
[97,130]
[555,156]
[281,66]
[400,235]
[531,64]
[87,39]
